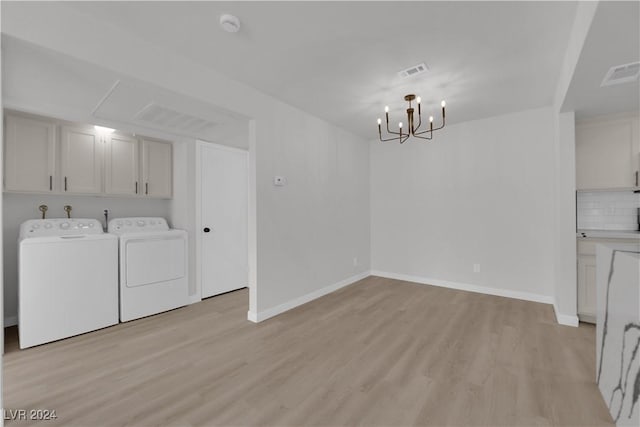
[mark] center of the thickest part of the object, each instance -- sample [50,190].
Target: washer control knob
[36,226]
[64,225]
[127,222]
[140,223]
[91,225]
[47,225]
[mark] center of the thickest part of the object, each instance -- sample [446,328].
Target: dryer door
[152,260]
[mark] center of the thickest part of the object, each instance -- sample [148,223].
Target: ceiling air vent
[171,119]
[413,71]
[622,74]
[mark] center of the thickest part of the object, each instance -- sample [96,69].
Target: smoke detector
[622,74]
[230,23]
[413,71]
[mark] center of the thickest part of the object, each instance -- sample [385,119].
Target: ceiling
[339,60]
[42,81]
[613,39]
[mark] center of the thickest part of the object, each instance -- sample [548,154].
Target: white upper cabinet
[607,153]
[81,160]
[121,165]
[29,154]
[157,176]
[52,156]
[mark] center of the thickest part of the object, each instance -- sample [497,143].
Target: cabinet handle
[146,188]
[136,187]
[636,178]
[65,183]
[50,182]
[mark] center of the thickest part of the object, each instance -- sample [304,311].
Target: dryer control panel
[137,225]
[60,227]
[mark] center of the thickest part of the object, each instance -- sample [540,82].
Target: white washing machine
[68,279]
[153,266]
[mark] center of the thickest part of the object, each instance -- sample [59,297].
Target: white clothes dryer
[153,266]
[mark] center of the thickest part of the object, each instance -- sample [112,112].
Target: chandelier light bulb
[443,103]
[431,119]
[418,100]
[379,121]
[400,125]
[386,108]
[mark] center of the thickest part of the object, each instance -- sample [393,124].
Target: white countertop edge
[608,234]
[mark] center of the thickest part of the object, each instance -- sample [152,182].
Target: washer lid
[59,227]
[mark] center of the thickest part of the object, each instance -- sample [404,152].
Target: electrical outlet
[476,268]
[279,181]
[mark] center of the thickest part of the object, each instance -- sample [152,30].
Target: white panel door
[157,164]
[81,161]
[224,195]
[29,154]
[121,165]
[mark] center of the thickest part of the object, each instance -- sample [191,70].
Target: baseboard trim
[10,321]
[565,319]
[527,296]
[279,309]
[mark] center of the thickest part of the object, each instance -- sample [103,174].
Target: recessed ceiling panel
[142,104]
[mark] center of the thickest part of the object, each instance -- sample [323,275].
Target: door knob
[206,229]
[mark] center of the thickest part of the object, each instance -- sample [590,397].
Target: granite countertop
[608,234]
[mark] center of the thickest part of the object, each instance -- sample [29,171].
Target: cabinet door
[157,163]
[606,154]
[81,161]
[29,154]
[121,165]
[587,287]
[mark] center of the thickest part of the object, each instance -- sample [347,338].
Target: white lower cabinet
[587,288]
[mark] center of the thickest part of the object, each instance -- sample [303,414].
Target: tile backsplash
[608,210]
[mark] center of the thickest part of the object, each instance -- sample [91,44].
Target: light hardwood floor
[379,352]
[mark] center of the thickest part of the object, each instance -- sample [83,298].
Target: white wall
[310,230]
[564,249]
[565,268]
[17,208]
[302,247]
[480,192]
[182,214]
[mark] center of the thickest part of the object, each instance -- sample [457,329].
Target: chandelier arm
[426,131]
[390,131]
[419,121]
[429,138]
[432,130]
[390,139]
[402,141]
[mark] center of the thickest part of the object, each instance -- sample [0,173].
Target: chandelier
[412,129]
